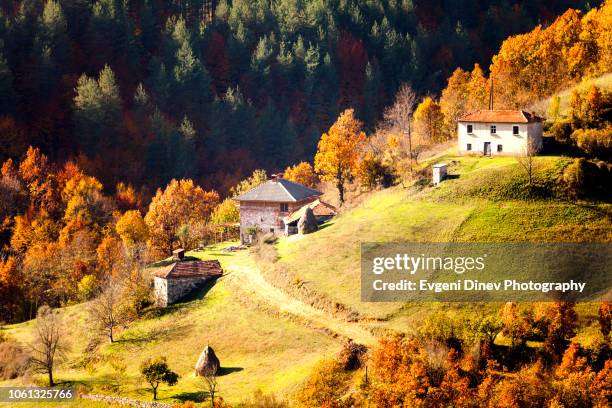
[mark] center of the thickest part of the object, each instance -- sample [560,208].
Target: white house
[499,132]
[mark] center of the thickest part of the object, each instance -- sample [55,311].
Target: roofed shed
[179,279]
[320,209]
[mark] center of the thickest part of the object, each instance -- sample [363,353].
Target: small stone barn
[264,207]
[179,279]
[321,210]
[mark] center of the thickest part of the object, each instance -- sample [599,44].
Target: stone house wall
[266,215]
[169,291]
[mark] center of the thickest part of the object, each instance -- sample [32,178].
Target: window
[272,230]
[470,129]
[469,147]
[284,207]
[515,130]
[500,148]
[493,129]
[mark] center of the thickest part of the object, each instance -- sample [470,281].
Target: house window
[493,129]
[284,207]
[500,148]
[469,147]
[515,130]
[470,129]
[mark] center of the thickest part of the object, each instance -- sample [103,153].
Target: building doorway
[487,148]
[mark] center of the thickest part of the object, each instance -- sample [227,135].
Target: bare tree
[48,348]
[527,158]
[399,115]
[210,382]
[105,312]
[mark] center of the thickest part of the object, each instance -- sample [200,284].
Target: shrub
[352,355]
[373,173]
[261,400]
[87,288]
[325,385]
[586,179]
[595,142]
[14,361]
[561,131]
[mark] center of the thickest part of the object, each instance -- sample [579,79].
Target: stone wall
[124,401]
[266,215]
[169,291]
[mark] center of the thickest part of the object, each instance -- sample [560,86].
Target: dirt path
[243,272]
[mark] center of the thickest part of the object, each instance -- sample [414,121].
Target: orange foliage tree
[11,289]
[400,373]
[535,65]
[339,150]
[453,102]
[302,173]
[180,204]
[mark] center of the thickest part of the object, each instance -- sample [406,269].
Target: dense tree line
[460,360]
[63,240]
[146,91]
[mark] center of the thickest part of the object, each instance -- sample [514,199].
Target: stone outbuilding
[321,210]
[179,279]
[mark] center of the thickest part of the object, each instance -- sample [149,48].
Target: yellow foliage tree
[131,228]
[428,121]
[339,150]
[302,173]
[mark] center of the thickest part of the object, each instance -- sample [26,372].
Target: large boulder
[208,363]
[307,222]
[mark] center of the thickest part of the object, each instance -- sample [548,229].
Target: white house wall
[511,144]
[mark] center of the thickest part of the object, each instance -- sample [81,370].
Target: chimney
[178,254]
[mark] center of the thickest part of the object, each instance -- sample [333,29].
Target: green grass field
[257,350]
[469,208]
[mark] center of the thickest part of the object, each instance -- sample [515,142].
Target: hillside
[603,82]
[478,206]
[250,340]
[264,312]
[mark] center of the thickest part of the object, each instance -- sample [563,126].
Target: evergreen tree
[7,94]
[97,111]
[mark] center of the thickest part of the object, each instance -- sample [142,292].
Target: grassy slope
[250,342]
[459,210]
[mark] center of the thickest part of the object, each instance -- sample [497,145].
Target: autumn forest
[127,127]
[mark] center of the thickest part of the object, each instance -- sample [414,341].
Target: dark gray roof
[278,191]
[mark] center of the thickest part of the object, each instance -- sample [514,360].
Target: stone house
[264,207]
[177,280]
[499,132]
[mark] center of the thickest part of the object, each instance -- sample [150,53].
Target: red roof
[191,269]
[500,116]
